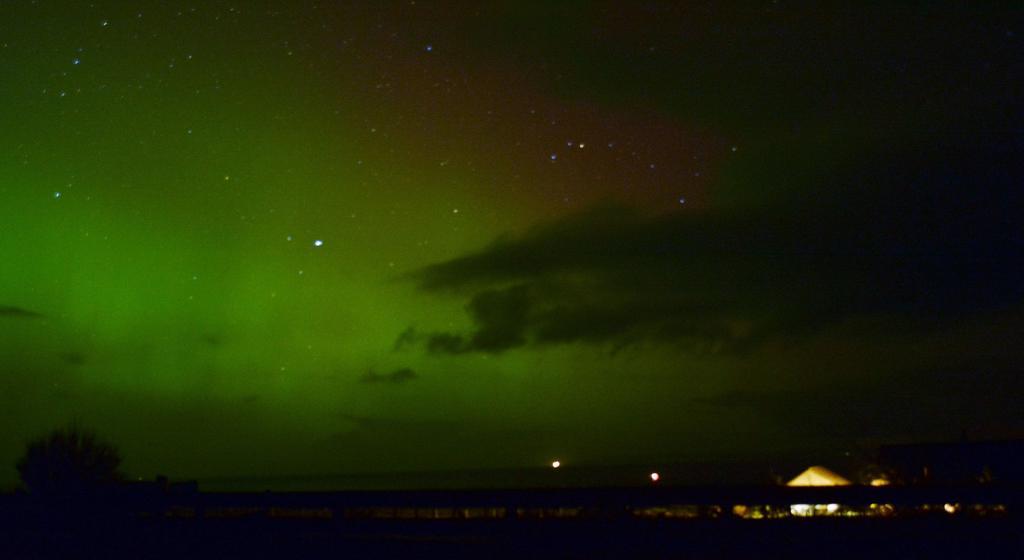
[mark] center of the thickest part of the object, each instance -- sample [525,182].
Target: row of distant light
[654,476]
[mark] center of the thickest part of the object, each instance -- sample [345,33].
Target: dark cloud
[406,338]
[447,343]
[933,237]
[18,312]
[403,375]
[502,318]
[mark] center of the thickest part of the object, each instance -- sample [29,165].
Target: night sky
[282,238]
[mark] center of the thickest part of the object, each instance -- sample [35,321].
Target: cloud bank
[928,237]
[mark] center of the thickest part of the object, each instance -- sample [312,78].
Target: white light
[832,508]
[318,243]
[801,510]
[655,476]
[556,464]
[950,508]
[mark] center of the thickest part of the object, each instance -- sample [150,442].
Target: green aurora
[291,238]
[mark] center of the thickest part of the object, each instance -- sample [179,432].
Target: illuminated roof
[818,476]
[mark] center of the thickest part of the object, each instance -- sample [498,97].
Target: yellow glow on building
[818,476]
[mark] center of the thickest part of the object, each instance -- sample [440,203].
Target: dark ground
[151,521]
[102,537]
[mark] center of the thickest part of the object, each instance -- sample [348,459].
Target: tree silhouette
[69,461]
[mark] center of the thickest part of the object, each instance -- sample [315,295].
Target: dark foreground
[526,525]
[860,538]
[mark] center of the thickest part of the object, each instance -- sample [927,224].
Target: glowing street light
[556,464]
[655,476]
